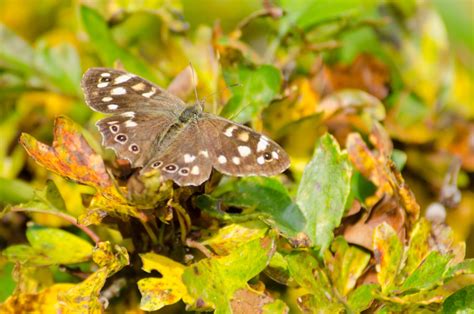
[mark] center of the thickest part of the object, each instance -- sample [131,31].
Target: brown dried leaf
[365,73]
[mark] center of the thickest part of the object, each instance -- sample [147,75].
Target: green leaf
[460,302]
[59,66]
[169,289]
[361,298]
[388,251]
[267,198]
[323,191]
[13,191]
[213,281]
[6,279]
[399,158]
[346,265]
[227,238]
[306,271]
[361,188]
[429,273]
[257,88]
[418,247]
[106,47]
[466,267]
[15,53]
[306,14]
[50,246]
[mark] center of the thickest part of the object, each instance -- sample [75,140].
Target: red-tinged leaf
[69,156]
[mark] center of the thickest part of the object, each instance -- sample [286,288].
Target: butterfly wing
[134,136]
[142,112]
[240,151]
[186,160]
[114,91]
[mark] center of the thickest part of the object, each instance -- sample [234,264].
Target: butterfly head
[189,113]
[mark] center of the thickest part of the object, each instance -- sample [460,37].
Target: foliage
[373,101]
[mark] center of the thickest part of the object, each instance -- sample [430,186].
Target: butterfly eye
[184,171]
[157,164]
[134,148]
[267,156]
[121,138]
[105,79]
[171,168]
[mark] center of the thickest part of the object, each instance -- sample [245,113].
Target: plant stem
[94,237]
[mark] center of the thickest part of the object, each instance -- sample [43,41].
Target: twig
[64,216]
[204,250]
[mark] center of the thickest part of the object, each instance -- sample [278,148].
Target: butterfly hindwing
[240,151]
[124,133]
[114,91]
[186,160]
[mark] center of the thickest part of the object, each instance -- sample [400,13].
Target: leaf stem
[199,246]
[94,237]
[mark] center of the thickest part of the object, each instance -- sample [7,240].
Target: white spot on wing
[275,155]
[189,158]
[244,151]
[112,106]
[236,160]
[129,114]
[130,124]
[243,136]
[262,144]
[221,159]
[118,91]
[105,74]
[107,99]
[139,87]
[195,170]
[103,84]
[204,153]
[229,130]
[112,122]
[260,160]
[150,93]
[122,78]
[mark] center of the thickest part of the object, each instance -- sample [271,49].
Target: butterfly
[154,129]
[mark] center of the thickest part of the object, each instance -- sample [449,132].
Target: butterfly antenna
[217,92]
[193,79]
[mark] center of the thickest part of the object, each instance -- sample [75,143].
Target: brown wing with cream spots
[186,160]
[114,91]
[134,136]
[240,151]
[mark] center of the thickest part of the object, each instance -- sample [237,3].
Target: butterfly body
[154,129]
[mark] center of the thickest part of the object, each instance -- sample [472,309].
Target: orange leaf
[69,156]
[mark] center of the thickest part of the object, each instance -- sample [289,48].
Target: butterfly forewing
[240,151]
[187,159]
[114,91]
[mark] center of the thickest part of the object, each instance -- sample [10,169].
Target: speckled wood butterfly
[154,129]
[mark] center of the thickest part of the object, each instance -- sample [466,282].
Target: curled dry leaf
[69,156]
[393,202]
